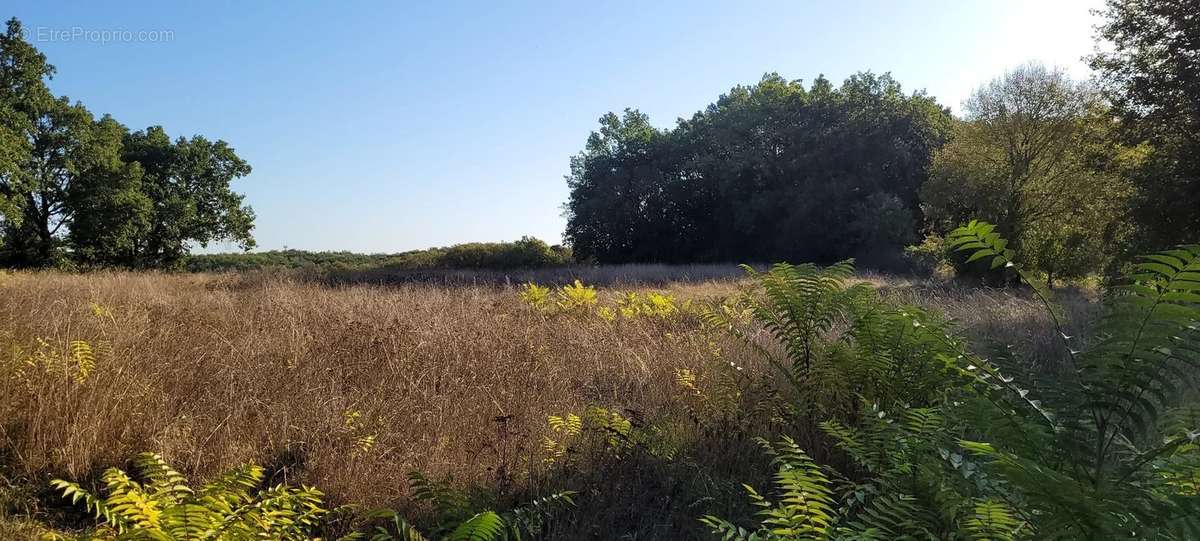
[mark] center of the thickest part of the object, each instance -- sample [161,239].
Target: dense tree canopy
[77,189]
[1033,155]
[188,181]
[1149,65]
[771,171]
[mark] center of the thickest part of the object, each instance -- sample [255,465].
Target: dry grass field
[350,387]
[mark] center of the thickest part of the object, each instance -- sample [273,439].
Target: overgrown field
[351,388]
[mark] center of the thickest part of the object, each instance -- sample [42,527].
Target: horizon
[357,128]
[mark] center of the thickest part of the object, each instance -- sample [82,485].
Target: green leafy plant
[456,517]
[604,430]
[806,506]
[536,296]
[944,445]
[634,304]
[163,507]
[841,341]
[576,296]
[1101,474]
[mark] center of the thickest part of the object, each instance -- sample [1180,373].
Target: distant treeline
[1079,175]
[769,172]
[528,252]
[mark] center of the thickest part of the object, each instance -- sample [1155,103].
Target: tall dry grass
[214,371]
[625,275]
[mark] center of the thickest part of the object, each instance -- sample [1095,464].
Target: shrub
[536,296]
[931,256]
[163,507]
[943,445]
[576,296]
[234,508]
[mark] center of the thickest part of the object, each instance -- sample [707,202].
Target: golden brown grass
[214,371]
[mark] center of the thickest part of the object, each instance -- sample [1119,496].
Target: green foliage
[992,521]
[188,181]
[456,520]
[607,431]
[946,446]
[575,296]
[527,252]
[930,256]
[651,304]
[536,296]
[1034,156]
[77,190]
[842,340]
[805,508]
[758,175]
[1094,473]
[163,507]
[1146,62]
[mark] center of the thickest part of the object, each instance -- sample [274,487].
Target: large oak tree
[77,189]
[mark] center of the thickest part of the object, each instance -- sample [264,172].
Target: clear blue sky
[387,126]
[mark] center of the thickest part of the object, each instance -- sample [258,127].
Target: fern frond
[397,529]
[449,503]
[1149,354]
[84,357]
[164,483]
[982,239]
[485,526]
[232,488]
[164,508]
[727,531]
[805,509]
[993,521]
[96,505]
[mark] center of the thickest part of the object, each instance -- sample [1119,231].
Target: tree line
[772,171]
[80,191]
[1078,174]
[525,253]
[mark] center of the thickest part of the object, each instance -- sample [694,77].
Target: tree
[30,117]
[46,178]
[188,182]
[12,148]
[619,208]
[1033,156]
[1147,64]
[767,172]
[74,188]
[109,210]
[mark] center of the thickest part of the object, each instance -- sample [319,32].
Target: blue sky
[388,126]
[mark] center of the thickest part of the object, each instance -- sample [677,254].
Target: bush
[161,507]
[930,257]
[943,445]
[164,508]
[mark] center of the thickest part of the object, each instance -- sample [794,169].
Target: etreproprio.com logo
[98,35]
